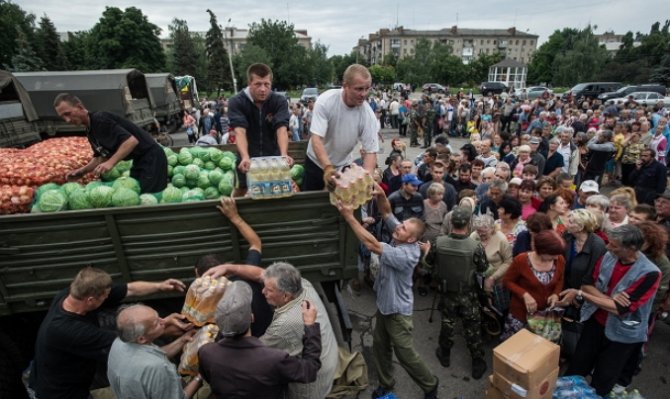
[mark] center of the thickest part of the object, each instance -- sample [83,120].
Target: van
[592,90]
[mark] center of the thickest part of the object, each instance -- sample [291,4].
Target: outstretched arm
[229,209]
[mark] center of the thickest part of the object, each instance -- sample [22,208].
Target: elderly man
[568,151]
[341,119]
[617,301]
[395,300]
[240,365]
[70,340]
[139,369]
[286,290]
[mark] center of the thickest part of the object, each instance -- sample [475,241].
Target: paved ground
[455,381]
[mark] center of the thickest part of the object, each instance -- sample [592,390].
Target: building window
[532,43]
[495,42]
[517,42]
[404,51]
[488,41]
[523,43]
[411,41]
[405,42]
[481,41]
[487,51]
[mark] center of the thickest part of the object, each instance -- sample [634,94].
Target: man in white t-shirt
[341,119]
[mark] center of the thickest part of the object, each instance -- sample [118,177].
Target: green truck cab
[18,117]
[167,105]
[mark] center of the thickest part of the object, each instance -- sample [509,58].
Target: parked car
[592,90]
[431,88]
[492,88]
[310,93]
[400,87]
[642,98]
[626,90]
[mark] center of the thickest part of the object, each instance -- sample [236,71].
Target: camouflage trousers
[464,306]
[413,136]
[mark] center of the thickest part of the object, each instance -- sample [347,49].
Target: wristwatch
[580,296]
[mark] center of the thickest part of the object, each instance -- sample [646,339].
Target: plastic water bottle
[275,176]
[635,394]
[286,186]
[254,185]
[264,178]
[571,381]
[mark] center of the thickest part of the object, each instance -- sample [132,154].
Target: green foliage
[478,69]
[76,51]
[25,59]
[49,46]
[340,63]
[320,70]
[382,74]
[14,21]
[218,71]
[431,62]
[126,39]
[249,55]
[184,59]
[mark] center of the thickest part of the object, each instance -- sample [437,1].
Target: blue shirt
[394,282]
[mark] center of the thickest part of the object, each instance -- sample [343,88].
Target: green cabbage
[231,155]
[193,195]
[127,182]
[171,194]
[168,151]
[297,172]
[226,185]
[111,174]
[90,186]
[124,196]
[46,187]
[211,193]
[124,166]
[200,153]
[170,171]
[203,180]
[192,172]
[70,187]
[215,154]
[226,163]
[148,199]
[78,199]
[52,201]
[172,160]
[178,170]
[198,162]
[101,196]
[215,177]
[178,180]
[184,157]
[209,165]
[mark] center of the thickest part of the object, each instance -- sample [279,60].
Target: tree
[184,59]
[76,51]
[49,46]
[249,55]
[218,70]
[382,74]
[126,39]
[478,69]
[25,60]
[288,57]
[320,70]
[14,22]
[340,64]
[661,73]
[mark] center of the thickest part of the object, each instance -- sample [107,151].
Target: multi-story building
[237,38]
[467,44]
[613,41]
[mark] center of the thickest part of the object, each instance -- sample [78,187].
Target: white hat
[589,186]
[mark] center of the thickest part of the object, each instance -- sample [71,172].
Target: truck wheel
[11,367]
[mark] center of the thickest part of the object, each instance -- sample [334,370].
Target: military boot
[443,356]
[478,367]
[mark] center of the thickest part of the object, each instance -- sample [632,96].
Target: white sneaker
[617,389]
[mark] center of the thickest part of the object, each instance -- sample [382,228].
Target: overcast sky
[340,23]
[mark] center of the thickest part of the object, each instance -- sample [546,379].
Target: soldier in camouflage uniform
[416,122]
[456,259]
[429,123]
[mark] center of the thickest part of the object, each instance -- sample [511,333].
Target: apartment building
[465,43]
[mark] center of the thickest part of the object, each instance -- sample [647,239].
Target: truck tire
[11,367]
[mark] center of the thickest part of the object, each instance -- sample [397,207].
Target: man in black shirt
[70,341]
[114,139]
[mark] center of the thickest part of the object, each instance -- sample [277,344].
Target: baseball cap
[589,186]
[535,140]
[460,216]
[411,179]
[516,181]
[233,312]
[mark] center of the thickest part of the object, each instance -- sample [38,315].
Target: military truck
[17,114]
[188,91]
[121,91]
[167,105]
[41,253]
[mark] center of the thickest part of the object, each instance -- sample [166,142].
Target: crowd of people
[522,204]
[514,220]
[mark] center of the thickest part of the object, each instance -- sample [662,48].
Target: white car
[643,98]
[533,92]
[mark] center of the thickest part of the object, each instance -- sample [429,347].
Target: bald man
[139,369]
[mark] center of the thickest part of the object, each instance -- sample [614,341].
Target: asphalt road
[455,381]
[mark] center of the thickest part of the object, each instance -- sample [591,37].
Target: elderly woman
[499,255]
[617,213]
[555,160]
[434,211]
[557,209]
[523,158]
[534,280]
[598,202]
[509,219]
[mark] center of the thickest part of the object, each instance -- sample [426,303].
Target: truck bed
[41,253]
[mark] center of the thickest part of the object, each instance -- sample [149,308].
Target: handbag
[571,331]
[189,131]
[546,323]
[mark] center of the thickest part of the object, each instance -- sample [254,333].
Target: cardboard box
[543,390]
[525,359]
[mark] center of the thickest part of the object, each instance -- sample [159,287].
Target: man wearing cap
[407,202]
[395,300]
[456,259]
[586,189]
[240,365]
[136,367]
[650,177]
[537,159]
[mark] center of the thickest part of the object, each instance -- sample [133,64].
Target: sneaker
[478,368]
[617,389]
[433,393]
[443,357]
[379,392]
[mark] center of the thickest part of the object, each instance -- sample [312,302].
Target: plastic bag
[188,365]
[546,323]
[201,299]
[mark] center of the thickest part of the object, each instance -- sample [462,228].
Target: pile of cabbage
[195,173]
